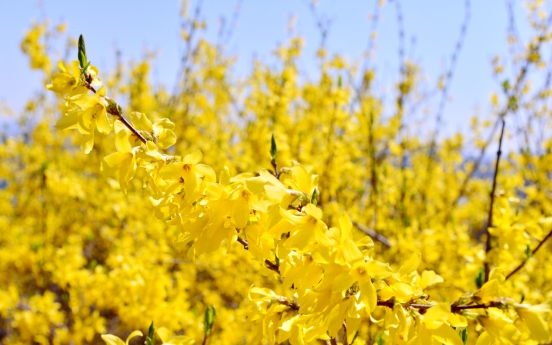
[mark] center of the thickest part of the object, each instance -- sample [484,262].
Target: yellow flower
[111,339]
[161,130]
[124,160]
[64,82]
[189,171]
[86,113]
[536,319]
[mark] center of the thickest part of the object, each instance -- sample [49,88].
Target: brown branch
[243,242]
[520,266]
[269,264]
[517,86]
[490,216]
[112,109]
[345,340]
[288,303]
[374,235]
[129,126]
[453,307]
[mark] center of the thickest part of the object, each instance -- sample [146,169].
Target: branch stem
[520,266]
[492,195]
[120,117]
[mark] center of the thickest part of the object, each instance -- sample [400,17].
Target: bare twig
[533,252]
[113,110]
[374,235]
[448,80]
[269,264]
[345,341]
[490,216]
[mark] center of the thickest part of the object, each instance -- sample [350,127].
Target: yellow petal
[68,121]
[378,270]
[351,253]
[103,120]
[164,334]
[484,339]
[193,158]
[141,121]
[110,339]
[429,278]
[134,334]
[345,225]
[342,282]
[369,295]
[241,212]
[121,141]
[411,264]
[446,335]
[536,324]
[166,139]
[88,142]
[489,291]
[314,211]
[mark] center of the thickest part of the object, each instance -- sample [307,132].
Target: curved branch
[520,266]
[374,235]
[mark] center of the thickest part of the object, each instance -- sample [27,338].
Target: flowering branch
[520,266]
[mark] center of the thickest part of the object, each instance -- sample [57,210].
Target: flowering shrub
[309,217]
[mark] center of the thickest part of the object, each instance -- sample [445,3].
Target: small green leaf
[354,338]
[209,319]
[82,53]
[480,278]
[151,335]
[380,340]
[273,148]
[464,335]
[315,195]
[528,253]
[506,86]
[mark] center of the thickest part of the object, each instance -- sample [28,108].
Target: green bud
[464,335]
[273,148]
[314,198]
[209,319]
[480,278]
[82,53]
[506,86]
[151,335]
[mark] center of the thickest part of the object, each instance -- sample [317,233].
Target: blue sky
[136,26]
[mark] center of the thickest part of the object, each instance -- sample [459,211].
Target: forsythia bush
[271,209]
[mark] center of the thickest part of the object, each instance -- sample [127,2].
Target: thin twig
[129,126]
[453,308]
[115,112]
[269,264]
[490,216]
[520,266]
[448,81]
[374,235]
[345,341]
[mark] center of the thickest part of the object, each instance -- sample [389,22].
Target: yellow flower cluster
[336,282]
[80,259]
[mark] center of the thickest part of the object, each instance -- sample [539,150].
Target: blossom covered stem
[114,110]
[533,252]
